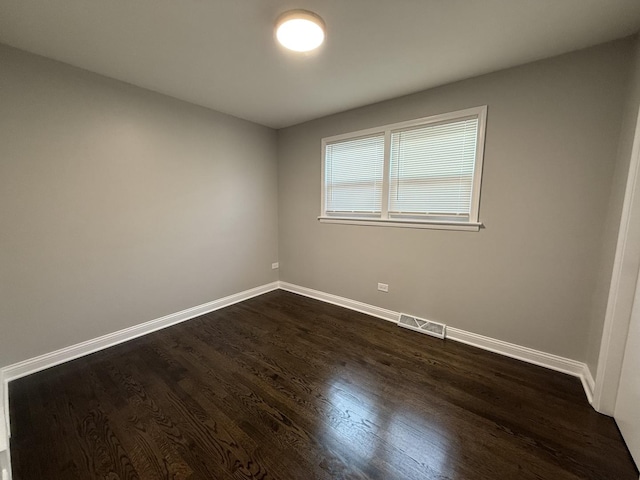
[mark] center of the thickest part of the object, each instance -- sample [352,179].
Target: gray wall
[529,277]
[119,205]
[612,223]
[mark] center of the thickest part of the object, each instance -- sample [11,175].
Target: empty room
[358,239]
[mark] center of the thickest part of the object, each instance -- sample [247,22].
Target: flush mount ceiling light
[300,30]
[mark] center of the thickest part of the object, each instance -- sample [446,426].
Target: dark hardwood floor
[285,387]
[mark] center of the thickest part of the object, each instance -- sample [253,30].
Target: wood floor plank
[285,387]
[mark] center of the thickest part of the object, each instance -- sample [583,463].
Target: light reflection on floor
[368,436]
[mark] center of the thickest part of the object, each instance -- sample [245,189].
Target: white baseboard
[342,302]
[526,354]
[5,464]
[588,383]
[42,362]
[5,419]
[5,460]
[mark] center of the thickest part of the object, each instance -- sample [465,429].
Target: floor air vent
[423,326]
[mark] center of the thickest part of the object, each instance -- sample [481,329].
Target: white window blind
[354,176]
[423,173]
[431,169]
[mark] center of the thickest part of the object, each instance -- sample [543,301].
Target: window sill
[430,224]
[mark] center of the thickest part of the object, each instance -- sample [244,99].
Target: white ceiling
[221,53]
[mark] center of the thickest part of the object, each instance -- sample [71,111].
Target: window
[423,173]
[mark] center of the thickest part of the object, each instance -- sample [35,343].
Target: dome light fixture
[300,30]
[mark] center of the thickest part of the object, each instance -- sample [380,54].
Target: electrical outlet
[275,266]
[383,287]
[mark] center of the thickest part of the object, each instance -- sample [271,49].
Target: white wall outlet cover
[275,265]
[383,287]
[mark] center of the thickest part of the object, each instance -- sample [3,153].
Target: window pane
[432,169]
[353,176]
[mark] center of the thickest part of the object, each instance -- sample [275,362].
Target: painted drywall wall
[612,223]
[530,275]
[120,205]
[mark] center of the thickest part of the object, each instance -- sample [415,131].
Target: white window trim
[473,224]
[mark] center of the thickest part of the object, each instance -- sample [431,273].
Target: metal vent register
[434,329]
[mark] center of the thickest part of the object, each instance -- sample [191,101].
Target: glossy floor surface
[285,387]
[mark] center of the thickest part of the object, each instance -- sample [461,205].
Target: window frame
[472,224]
